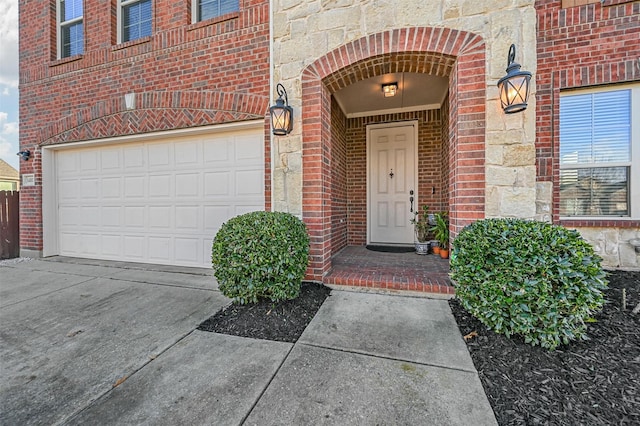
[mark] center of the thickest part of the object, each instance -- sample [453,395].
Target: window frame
[194,12]
[60,24]
[120,19]
[634,162]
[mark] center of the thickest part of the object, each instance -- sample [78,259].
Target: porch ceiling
[416,91]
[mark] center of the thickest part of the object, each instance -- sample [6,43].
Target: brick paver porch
[359,267]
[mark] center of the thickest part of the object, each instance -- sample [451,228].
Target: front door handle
[411,201]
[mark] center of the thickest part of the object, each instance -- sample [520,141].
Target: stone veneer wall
[308,29]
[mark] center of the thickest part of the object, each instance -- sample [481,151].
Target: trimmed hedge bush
[527,278]
[261,254]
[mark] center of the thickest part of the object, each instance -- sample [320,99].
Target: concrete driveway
[96,342]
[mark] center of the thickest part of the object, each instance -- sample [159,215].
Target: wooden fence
[9,224]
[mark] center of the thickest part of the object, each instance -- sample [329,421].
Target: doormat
[392,249]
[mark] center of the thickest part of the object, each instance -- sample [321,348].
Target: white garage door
[158,201]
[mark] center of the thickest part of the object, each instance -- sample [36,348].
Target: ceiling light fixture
[390,89]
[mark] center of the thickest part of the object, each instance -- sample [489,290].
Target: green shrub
[261,254]
[533,279]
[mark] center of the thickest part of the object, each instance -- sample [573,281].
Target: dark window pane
[595,128]
[136,20]
[70,9]
[211,8]
[602,191]
[72,40]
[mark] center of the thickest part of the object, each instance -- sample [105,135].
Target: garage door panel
[159,154]
[89,161]
[89,188]
[111,245]
[68,164]
[248,150]
[188,218]
[134,247]
[110,159]
[216,184]
[134,216]
[238,210]
[249,182]
[90,243]
[188,250]
[90,216]
[189,153]
[68,189]
[187,184]
[69,217]
[160,217]
[133,157]
[111,216]
[160,186]
[157,202]
[215,216]
[159,249]
[110,187]
[69,243]
[134,186]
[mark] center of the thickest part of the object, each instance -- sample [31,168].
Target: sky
[9,145]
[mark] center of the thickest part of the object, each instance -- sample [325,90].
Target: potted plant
[422,229]
[441,231]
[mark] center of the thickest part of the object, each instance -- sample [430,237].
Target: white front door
[392,178]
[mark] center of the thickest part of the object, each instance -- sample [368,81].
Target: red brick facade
[183,75]
[458,55]
[580,44]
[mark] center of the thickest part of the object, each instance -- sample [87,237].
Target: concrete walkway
[95,342]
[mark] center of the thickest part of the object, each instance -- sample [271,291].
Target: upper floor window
[600,153]
[206,9]
[134,19]
[70,29]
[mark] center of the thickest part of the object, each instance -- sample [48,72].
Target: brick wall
[581,46]
[444,155]
[430,172]
[184,75]
[339,180]
[584,44]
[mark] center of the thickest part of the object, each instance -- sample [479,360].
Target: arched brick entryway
[458,55]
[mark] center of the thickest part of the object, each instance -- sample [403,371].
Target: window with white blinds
[599,154]
[70,28]
[134,19]
[207,9]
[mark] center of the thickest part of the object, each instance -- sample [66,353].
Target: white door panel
[156,202]
[392,175]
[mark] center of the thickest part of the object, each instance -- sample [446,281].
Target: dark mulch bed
[591,382]
[281,321]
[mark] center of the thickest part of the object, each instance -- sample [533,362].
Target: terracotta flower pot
[444,253]
[436,250]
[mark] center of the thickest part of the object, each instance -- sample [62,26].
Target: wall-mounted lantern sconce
[389,89]
[281,114]
[24,155]
[514,87]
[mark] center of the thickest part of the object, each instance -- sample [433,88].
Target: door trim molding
[370,127]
